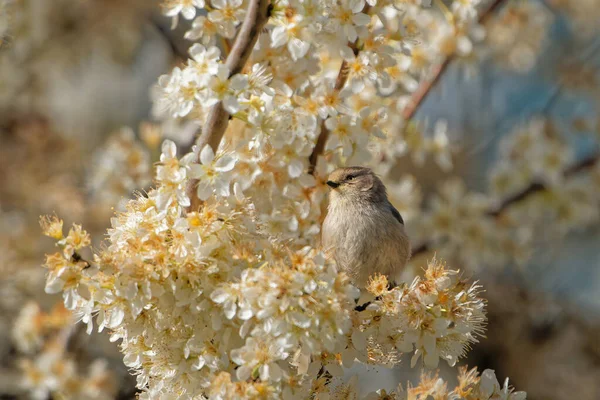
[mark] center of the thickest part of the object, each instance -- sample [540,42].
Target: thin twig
[534,187]
[324,135]
[217,120]
[340,82]
[424,89]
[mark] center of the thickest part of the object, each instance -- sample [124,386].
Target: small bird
[362,230]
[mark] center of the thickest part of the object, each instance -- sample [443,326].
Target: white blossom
[213,173]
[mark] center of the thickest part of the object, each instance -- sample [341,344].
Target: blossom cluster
[342,71]
[319,66]
[233,299]
[439,316]
[47,368]
[570,197]
[120,167]
[471,386]
[538,192]
[208,302]
[517,37]
[37,336]
[69,55]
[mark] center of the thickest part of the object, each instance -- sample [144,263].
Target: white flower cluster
[438,316]
[173,174]
[294,318]
[232,299]
[537,153]
[47,367]
[166,286]
[519,35]
[534,151]
[120,167]
[458,223]
[206,306]
[319,66]
[538,192]
[471,386]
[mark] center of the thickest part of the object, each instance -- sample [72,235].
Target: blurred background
[77,138]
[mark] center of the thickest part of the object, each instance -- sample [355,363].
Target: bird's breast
[365,240]
[349,225]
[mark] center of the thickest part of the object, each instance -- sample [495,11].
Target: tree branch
[217,119]
[424,89]
[533,188]
[339,85]
[324,135]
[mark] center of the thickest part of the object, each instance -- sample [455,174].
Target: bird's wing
[396,214]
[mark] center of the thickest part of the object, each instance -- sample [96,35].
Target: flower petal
[207,155]
[225,163]
[204,190]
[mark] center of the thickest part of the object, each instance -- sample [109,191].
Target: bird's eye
[350,177]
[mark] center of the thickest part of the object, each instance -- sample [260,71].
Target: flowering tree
[214,281]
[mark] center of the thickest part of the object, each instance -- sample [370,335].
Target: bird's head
[356,182]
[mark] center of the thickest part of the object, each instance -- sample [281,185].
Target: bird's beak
[332,184]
